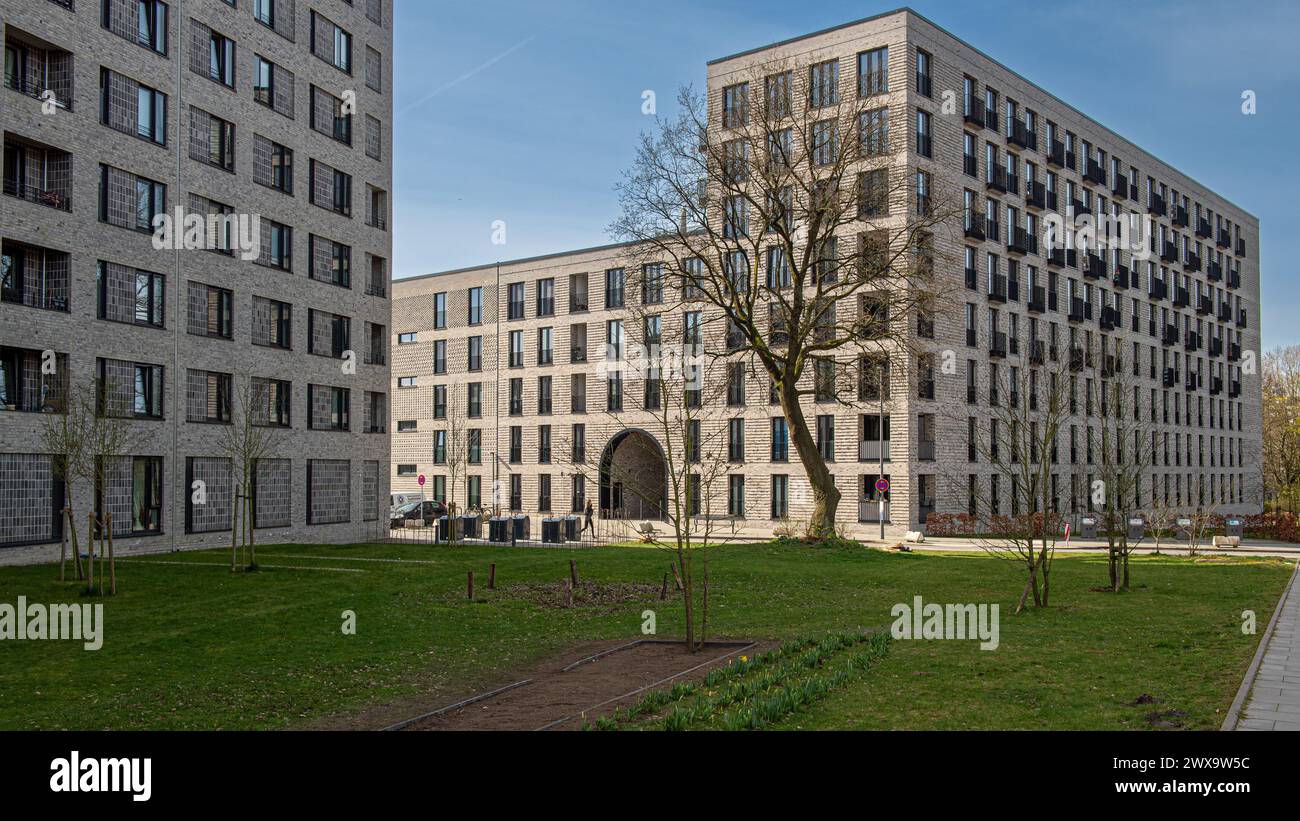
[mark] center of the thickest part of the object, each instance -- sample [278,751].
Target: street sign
[421,480]
[882,485]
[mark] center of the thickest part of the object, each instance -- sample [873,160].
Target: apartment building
[195,224]
[520,343]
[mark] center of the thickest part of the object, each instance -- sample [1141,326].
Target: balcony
[998,345]
[1169,252]
[970,165]
[1159,290]
[1234,278]
[869,450]
[990,119]
[1225,312]
[972,277]
[1204,305]
[975,227]
[1119,188]
[1241,247]
[1171,335]
[1192,382]
[1077,310]
[1216,385]
[1223,239]
[1180,217]
[996,179]
[974,112]
[1013,182]
[1192,341]
[1037,352]
[1037,300]
[1241,318]
[1094,267]
[1056,154]
[1021,135]
[35,277]
[1078,360]
[35,68]
[25,387]
[1170,378]
[869,512]
[1078,207]
[1013,289]
[925,450]
[1203,229]
[1156,206]
[1056,256]
[1020,241]
[1093,172]
[1234,389]
[998,288]
[38,173]
[1215,272]
[1192,263]
[1122,276]
[1234,351]
[1216,346]
[1182,298]
[1109,319]
[1035,195]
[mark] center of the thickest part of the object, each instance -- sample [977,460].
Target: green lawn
[189,646]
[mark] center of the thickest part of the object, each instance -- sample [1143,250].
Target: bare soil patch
[571,694]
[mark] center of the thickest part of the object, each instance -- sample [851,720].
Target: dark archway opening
[633,477]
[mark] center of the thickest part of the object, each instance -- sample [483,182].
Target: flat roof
[520,261]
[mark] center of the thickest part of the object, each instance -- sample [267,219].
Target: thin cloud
[467,75]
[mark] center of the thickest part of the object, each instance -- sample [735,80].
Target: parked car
[428,511]
[396,500]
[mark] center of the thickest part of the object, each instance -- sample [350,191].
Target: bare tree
[1123,435]
[1281,422]
[249,437]
[1160,517]
[1016,508]
[800,228]
[456,456]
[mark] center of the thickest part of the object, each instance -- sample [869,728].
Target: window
[331,43]
[736,440]
[328,334]
[439,311]
[132,107]
[475,316]
[652,285]
[130,295]
[873,132]
[578,342]
[923,68]
[207,397]
[516,454]
[545,348]
[218,63]
[780,440]
[329,188]
[130,389]
[577,293]
[516,407]
[826,437]
[273,86]
[330,261]
[330,116]
[439,401]
[272,323]
[129,201]
[474,446]
[407,381]
[439,449]
[873,72]
[614,288]
[579,443]
[474,400]
[475,347]
[328,408]
[210,311]
[824,143]
[545,297]
[407,426]
[407,470]
[143,489]
[780,496]
[614,392]
[516,349]
[277,245]
[272,164]
[735,105]
[823,84]
[736,496]
[212,139]
[544,493]
[923,141]
[543,396]
[515,293]
[149,17]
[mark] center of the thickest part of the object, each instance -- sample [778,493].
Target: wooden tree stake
[470,589]
[573,572]
[492,576]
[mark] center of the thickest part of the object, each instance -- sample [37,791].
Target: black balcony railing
[1037,299]
[971,278]
[1077,310]
[992,229]
[1157,205]
[1203,229]
[1094,172]
[1171,335]
[50,198]
[1234,388]
[1022,136]
[1182,298]
[1094,267]
[974,112]
[1121,276]
[1077,358]
[1234,351]
[1035,195]
[970,165]
[975,226]
[1214,271]
[1241,318]
[1170,378]
[1080,207]
[1169,252]
[998,345]
[1180,216]
[1119,187]
[1216,385]
[1225,312]
[1192,262]
[1056,154]
[1216,346]
[1241,247]
[1159,290]
[1204,305]
[996,179]
[998,288]
[1192,341]
[1223,239]
[1021,241]
[1234,278]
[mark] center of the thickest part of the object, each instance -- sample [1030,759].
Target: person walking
[590,524]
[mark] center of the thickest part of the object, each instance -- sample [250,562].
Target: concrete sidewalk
[1273,702]
[1256,547]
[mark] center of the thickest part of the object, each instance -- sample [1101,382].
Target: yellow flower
[744,658]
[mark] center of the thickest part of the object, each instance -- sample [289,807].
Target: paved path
[1274,701]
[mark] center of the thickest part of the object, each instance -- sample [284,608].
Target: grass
[189,646]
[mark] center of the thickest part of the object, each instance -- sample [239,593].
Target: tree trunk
[76,548]
[234,535]
[112,564]
[688,596]
[826,497]
[63,548]
[90,554]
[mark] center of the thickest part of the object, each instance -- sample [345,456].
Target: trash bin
[1233,526]
[1088,527]
[1137,528]
[572,527]
[1183,529]
[444,529]
[499,529]
[469,526]
[551,530]
[519,527]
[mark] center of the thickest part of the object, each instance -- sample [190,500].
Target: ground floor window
[780,496]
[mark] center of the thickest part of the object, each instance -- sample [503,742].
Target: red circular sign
[882,485]
[421,480]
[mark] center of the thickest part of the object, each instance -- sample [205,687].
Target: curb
[1248,683]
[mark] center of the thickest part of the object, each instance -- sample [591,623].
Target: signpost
[421,482]
[882,487]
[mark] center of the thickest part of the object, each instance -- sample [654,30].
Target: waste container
[1137,528]
[499,529]
[572,527]
[469,526]
[444,529]
[1088,527]
[1183,529]
[551,530]
[519,527]
[1233,526]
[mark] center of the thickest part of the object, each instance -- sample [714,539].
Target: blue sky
[528,112]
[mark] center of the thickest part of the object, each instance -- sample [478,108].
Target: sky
[528,112]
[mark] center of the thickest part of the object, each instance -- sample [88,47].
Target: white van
[396,500]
